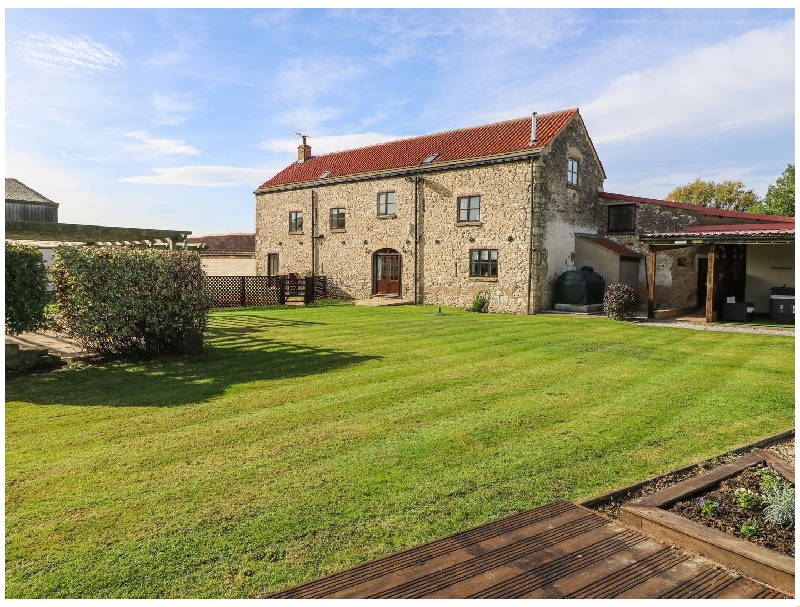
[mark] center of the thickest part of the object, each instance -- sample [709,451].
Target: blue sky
[172,118]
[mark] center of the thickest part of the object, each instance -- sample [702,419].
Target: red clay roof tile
[461,144]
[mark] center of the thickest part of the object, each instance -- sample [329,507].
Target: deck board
[558,550]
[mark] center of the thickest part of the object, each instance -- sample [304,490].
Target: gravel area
[701,326]
[610,506]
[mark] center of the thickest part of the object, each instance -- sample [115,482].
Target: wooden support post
[651,284]
[710,284]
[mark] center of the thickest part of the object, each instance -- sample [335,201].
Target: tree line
[732,195]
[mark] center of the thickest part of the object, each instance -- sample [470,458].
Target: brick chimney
[303,151]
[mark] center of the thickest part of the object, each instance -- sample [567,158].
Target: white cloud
[325,145]
[746,79]
[172,109]
[158,146]
[70,53]
[205,176]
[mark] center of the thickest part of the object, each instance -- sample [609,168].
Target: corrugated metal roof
[461,144]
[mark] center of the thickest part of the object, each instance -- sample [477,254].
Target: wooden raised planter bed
[649,514]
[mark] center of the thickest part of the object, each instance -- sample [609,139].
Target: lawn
[307,440]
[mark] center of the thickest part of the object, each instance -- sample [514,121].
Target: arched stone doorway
[386,271]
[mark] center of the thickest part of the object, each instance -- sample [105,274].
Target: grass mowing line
[307,440]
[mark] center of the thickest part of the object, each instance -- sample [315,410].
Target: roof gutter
[690,240]
[403,172]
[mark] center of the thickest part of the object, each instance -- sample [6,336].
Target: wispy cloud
[71,53]
[158,146]
[747,79]
[172,109]
[205,176]
[311,78]
[82,158]
[271,18]
[325,145]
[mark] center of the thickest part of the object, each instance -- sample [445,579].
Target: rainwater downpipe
[530,235]
[313,233]
[416,238]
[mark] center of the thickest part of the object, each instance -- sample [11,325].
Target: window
[296,221]
[272,264]
[386,203]
[337,219]
[324,175]
[429,159]
[572,172]
[483,262]
[621,218]
[469,208]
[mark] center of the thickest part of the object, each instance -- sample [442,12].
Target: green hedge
[121,301]
[26,283]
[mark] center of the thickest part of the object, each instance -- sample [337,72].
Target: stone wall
[566,209]
[446,243]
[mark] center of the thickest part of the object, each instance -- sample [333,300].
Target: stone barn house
[441,218]
[503,210]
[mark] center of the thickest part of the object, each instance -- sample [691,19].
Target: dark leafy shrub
[620,301]
[480,303]
[26,283]
[121,301]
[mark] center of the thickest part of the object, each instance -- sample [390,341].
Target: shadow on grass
[238,350]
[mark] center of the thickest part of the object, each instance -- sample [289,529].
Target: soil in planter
[731,516]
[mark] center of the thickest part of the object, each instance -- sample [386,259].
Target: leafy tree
[728,195]
[780,197]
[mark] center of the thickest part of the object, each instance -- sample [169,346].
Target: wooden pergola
[90,234]
[716,241]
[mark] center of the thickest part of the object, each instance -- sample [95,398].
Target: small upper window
[621,218]
[386,203]
[430,158]
[469,208]
[296,221]
[572,172]
[324,175]
[337,219]
[483,262]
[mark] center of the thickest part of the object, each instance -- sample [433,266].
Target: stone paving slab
[383,301]
[55,344]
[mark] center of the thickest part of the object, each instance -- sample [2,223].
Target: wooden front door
[387,274]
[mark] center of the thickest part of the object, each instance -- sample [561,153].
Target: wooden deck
[559,550]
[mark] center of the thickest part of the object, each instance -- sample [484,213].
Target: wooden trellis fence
[241,291]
